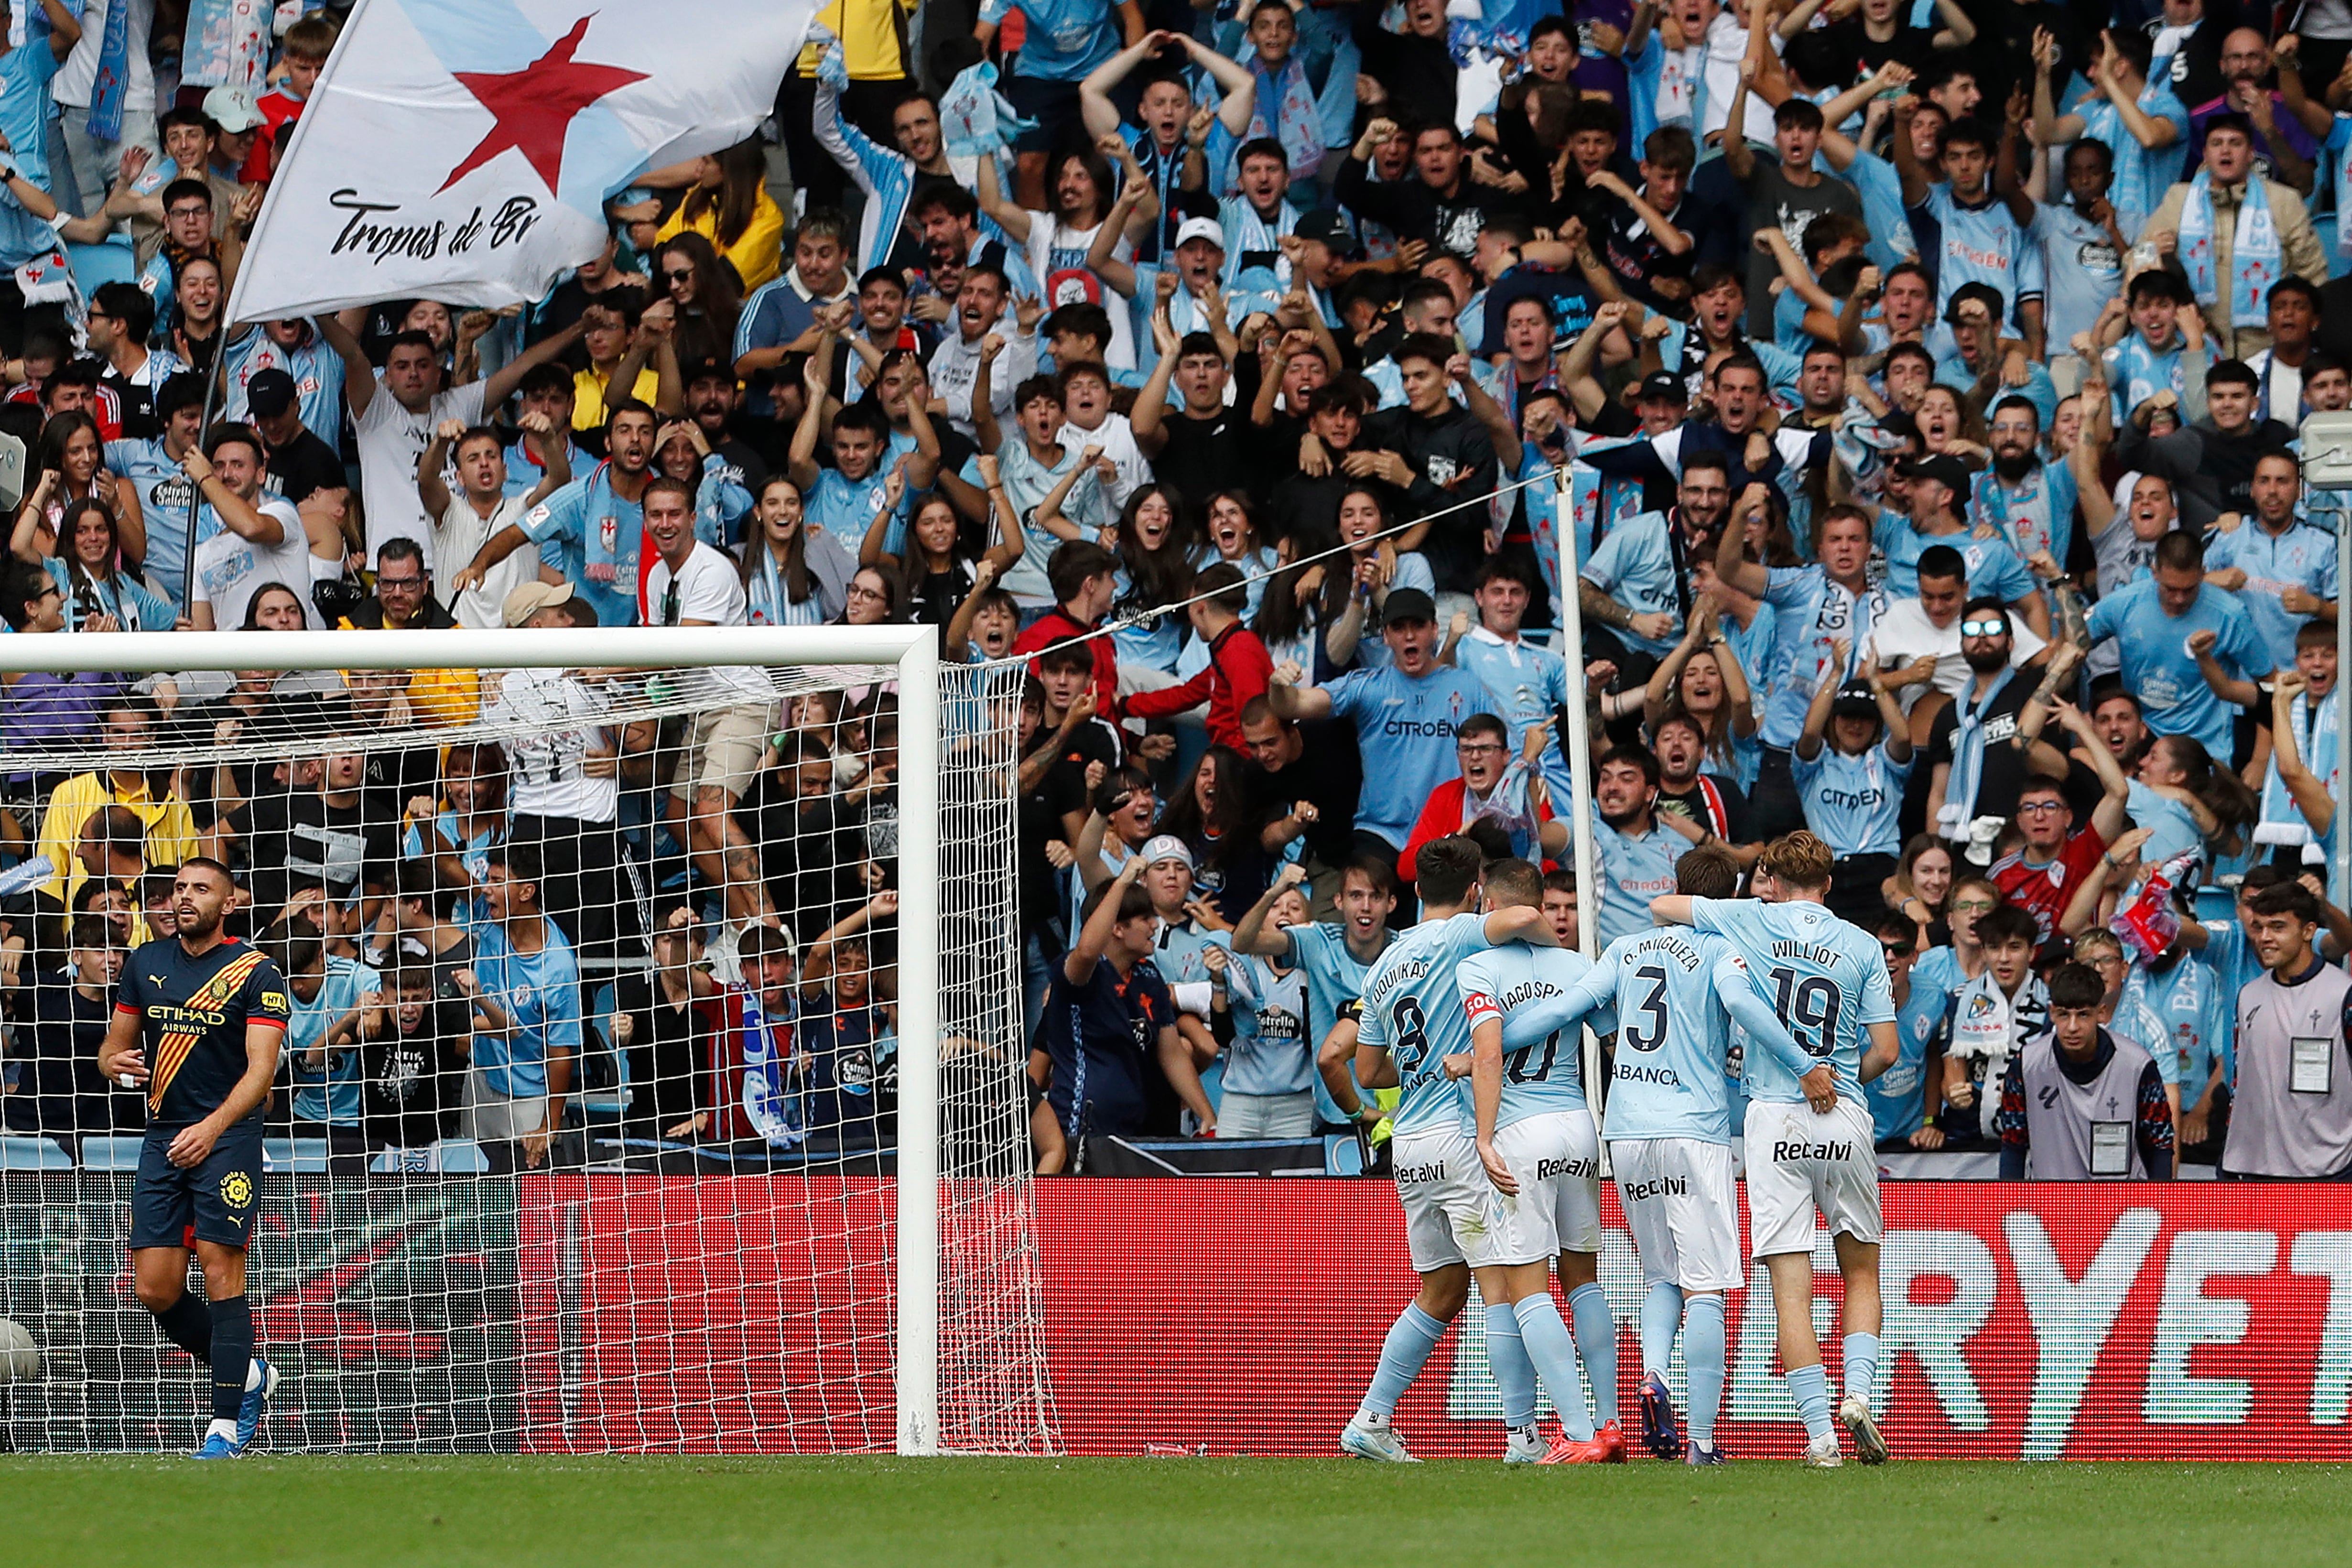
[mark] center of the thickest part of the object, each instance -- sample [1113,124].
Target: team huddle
[1499,1181]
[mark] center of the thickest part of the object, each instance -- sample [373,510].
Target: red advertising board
[1245,1316]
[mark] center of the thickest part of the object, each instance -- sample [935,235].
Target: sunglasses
[1897,949]
[1984,628]
[679,275]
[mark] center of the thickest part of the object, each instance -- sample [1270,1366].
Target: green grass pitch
[1133,1514]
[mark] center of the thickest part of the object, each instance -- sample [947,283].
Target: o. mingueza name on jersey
[1673,944]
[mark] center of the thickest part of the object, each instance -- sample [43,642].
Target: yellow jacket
[170,829]
[758,252]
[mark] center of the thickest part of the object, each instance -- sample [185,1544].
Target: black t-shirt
[193,1016]
[1690,803]
[1453,461]
[669,1049]
[1913,47]
[303,465]
[412,1082]
[1204,456]
[1330,773]
[1635,258]
[59,1091]
[2004,765]
[307,840]
[1777,201]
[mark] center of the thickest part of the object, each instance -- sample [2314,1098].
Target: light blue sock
[1596,1342]
[1411,1339]
[1810,1388]
[1703,1340]
[1862,1366]
[1662,1313]
[1554,1355]
[1514,1375]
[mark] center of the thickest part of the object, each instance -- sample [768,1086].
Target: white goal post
[912,652]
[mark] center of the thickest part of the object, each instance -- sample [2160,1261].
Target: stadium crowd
[1906,395]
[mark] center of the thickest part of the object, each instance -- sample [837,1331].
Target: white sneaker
[1524,1446]
[1368,1442]
[1869,1446]
[1823,1455]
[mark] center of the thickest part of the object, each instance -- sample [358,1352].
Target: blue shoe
[1661,1432]
[219,1448]
[249,1414]
[1696,1455]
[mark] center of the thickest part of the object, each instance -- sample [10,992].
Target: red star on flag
[535,106]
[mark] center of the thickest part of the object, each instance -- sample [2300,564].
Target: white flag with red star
[463,150]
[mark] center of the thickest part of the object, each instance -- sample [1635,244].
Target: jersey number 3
[1651,1007]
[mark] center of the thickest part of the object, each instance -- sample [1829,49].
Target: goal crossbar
[912,650]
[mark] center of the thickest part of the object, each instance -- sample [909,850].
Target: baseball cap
[1325,225]
[1166,847]
[270,392]
[1854,701]
[1663,383]
[1200,228]
[233,110]
[1408,604]
[530,598]
[1943,468]
[1983,294]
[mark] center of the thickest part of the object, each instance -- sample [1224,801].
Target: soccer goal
[655,1080]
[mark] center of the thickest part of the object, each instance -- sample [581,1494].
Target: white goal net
[653,1079]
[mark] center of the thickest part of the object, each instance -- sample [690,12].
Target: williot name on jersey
[1827,957]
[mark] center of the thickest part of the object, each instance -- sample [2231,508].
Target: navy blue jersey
[1103,1037]
[191,1016]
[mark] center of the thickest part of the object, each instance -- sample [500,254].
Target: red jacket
[1239,669]
[1442,816]
[1058,625]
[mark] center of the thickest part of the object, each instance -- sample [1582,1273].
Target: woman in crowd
[1212,814]
[704,295]
[72,465]
[1154,546]
[1234,536]
[468,820]
[196,323]
[683,452]
[1921,888]
[727,205]
[939,571]
[790,578]
[1289,619]
[1702,679]
[1357,585]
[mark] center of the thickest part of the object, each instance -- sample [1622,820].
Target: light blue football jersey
[1666,992]
[1412,1010]
[1544,1075]
[1826,977]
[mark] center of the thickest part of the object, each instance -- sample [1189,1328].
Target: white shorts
[1801,1164]
[1557,1160]
[1443,1189]
[1682,1208]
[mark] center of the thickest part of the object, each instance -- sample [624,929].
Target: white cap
[233,110]
[1167,847]
[1200,228]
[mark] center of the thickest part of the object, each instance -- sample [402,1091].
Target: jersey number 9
[1411,1034]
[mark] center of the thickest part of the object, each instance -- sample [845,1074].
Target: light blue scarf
[2257,258]
[773,1111]
[1968,763]
[112,89]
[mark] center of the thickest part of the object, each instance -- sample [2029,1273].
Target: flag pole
[1580,775]
[213,379]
